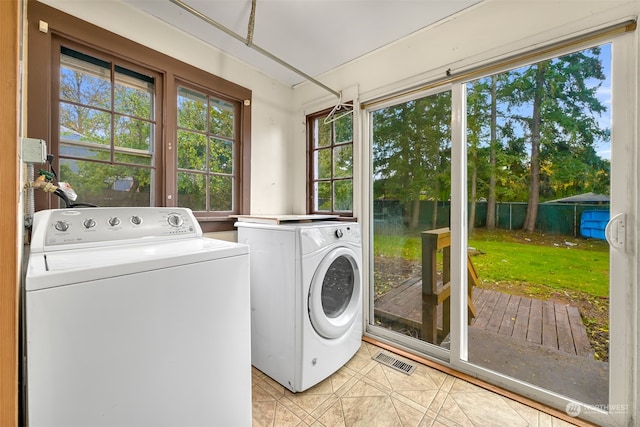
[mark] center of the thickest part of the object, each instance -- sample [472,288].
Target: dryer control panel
[61,228]
[326,234]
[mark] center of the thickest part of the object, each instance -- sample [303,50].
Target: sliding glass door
[498,209]
[538,187]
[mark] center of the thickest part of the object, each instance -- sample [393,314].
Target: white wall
[271,108]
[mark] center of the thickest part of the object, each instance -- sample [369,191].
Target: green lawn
[547,262]
[557,267]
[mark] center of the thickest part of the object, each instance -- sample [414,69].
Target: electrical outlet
[34,150]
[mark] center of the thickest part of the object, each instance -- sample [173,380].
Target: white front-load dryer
[306,298]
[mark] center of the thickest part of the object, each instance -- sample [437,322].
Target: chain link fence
[553,218]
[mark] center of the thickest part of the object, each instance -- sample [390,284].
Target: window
[330,164]
[207,144]
[129,126]
[106,131]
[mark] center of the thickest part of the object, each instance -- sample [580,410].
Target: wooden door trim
[9,220]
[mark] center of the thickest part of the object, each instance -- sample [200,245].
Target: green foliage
[412,149]
[107,146]
[566,97]
[205,152]
[552,105]
[106,151]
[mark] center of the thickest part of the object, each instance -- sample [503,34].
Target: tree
[487,128]
[411,153]
[107,143]
[555,104]
[477,114]
[205,152]
[493,142]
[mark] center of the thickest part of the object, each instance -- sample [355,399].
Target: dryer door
[335,293]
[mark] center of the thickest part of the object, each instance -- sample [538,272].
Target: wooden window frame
[311,202]
[41,122]
[57,44]
[236,139]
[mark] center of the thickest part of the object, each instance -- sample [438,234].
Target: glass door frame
[425,349]
[623,296]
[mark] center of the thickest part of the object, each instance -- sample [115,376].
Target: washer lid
[59,268]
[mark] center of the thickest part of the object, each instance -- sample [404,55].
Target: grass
[557,267]
[537,262]
[394,245]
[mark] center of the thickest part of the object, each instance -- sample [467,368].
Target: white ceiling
[314,36]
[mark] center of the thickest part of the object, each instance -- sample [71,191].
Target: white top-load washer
[133,318]
[306,298]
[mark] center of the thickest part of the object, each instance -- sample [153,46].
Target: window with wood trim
[207,151]
[107,138]
[330,164]
[130,126]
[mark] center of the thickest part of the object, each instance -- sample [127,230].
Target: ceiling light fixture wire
[253,46]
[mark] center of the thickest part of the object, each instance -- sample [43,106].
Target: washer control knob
[175,220]
[114,220]
[136,220]
[339,233]
[61,225]
[89,223]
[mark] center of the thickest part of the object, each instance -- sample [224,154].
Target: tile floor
[367,393]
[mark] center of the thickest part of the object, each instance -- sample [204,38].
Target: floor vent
[394,363]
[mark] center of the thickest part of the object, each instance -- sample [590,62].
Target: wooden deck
[546,323]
